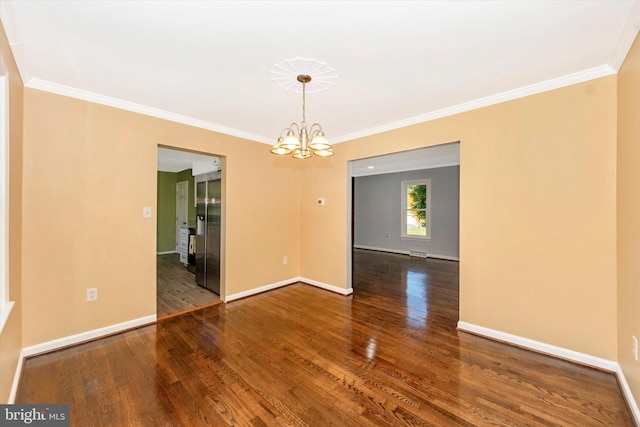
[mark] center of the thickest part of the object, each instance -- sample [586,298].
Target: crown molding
[547,85]
[139,108]
[627,36]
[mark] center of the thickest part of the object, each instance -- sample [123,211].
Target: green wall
[166,226]
[166,230]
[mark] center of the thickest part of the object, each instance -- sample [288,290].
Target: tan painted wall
[537,220]
[88,173]
[629,215]
[11,337]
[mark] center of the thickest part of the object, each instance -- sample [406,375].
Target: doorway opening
[177,289]
[394,195]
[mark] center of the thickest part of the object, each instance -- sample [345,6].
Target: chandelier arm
[312,131]
[292,127]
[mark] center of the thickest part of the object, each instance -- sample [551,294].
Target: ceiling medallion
[286,73]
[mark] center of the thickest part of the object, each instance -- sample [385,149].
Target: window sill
[5,310]
[415,238]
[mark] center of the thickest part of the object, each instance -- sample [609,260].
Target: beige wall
[88,173]
[629,215]
[11,337]
[537,220]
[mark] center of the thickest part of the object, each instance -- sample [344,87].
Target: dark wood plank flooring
[176,287]
[388,355]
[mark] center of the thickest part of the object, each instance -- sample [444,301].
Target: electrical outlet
[285,260]
[634,348]
[92,294]
[321,201]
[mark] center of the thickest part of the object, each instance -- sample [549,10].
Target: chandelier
[299,141]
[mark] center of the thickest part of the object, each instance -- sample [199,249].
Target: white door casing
[182,207]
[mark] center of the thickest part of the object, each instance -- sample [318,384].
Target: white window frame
[5,304]
[405,185]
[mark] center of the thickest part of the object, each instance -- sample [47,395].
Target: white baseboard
[259,290]
[373,248]
[166,252]
[72,340]
[16,379]
[401,252]
[325,286]
[444,257]
[626,391]
[562,353]
[282,283]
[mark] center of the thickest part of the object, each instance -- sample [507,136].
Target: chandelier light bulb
[279,149]
[291,141]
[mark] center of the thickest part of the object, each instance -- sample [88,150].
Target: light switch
[146,212]
[321,201]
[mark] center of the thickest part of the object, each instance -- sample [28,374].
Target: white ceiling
[424,158]
[208,63]
[176,160]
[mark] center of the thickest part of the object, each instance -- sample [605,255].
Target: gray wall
[377,212]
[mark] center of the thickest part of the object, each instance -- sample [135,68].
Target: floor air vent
[419,254]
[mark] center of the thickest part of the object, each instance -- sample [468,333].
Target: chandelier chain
[304,116]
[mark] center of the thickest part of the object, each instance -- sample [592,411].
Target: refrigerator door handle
[200,228]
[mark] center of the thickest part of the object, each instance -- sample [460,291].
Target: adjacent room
[181,283]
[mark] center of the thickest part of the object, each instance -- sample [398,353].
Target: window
[5,305]
[416,209]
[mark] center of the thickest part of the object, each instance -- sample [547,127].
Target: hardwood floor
[176,287]
[298,355]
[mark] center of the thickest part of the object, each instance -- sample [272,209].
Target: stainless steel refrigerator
[208,230]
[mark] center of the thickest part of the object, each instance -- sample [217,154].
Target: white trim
[444,257]
[547,85]
[261,289]
[72,340]
[166,252]
[16,379]
[407,169]
[544,86]
[84,95]
[626,392]
[87,336]
[627,35]
[401,252]
[405,208]
[373,248]
[562,353]
[5,304]
[5,311]
[325,286]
